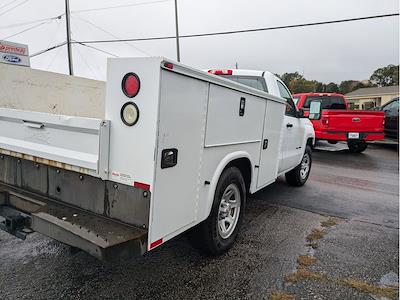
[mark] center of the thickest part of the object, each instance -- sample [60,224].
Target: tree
[319,87]
[332,88]
[301,85]
[386,76]
[348,86]
[287,78]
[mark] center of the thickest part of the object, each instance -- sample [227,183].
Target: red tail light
[131,85]
[220,72]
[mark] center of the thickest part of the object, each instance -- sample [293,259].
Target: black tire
[297,177]
[357,146]
[206,236]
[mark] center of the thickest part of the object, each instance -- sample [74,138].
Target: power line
[95,48]
[73,42]
[85,43]
[31,22]
[25,30]
[47,50]
[53,59]
[10,9]
[5,5]
[51,41]
[111,34]
[118,6]
[240,31]
[86,63]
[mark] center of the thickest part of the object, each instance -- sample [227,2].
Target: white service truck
[166,148]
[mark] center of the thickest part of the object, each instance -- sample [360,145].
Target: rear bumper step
[97,235]
[102,238]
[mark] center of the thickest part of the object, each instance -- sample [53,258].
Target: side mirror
[315,110]
[300,113]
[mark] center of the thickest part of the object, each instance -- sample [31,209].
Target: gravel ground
[361,191]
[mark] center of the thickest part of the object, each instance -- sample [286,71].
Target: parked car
[338,123]
[391,110]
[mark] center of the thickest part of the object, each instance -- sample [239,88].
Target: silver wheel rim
[229,211]
[305,166]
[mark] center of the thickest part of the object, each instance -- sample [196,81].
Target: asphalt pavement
[334,238]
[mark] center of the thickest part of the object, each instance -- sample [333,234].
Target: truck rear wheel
[357,146]
[218,232]
[299,175]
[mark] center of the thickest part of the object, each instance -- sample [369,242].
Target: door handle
[288,125]
[33,124]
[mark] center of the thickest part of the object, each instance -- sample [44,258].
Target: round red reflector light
[131,85]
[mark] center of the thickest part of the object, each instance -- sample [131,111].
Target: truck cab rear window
[251,81]
[328,102]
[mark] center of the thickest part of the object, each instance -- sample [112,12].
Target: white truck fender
[217,174]
[309,133]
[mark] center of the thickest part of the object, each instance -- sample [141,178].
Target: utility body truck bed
[166,149]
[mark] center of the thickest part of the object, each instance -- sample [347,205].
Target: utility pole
[67,22]
[178,55]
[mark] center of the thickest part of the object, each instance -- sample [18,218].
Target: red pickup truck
[338,123]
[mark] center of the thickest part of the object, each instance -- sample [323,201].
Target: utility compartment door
[271,143]
[233,117]
[183,103]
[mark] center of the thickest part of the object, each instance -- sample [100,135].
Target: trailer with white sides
[169,149]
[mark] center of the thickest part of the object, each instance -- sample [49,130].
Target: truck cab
[297,131]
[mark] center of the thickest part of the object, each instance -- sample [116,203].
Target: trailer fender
[217,174]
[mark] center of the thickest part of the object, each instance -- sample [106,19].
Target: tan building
[367,98]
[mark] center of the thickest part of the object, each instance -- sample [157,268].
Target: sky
[327,53]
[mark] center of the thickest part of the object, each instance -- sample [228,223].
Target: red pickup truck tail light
[220,72]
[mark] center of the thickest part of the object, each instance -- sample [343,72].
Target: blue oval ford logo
[11,58]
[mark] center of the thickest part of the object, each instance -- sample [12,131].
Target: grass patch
[365,287]
[303,274]
[278,295]
[306,260]
[330,222]
[316,234]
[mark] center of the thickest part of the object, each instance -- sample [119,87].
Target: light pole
[178,55]
[67,22]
